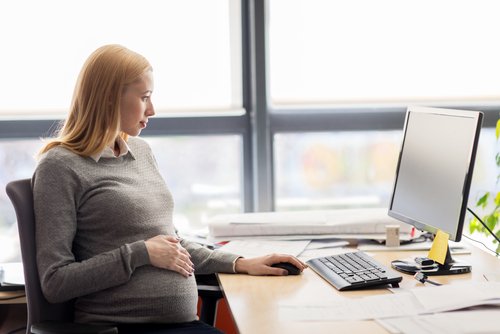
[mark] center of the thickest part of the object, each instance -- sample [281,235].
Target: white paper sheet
[11,273]
[327,243]
[422,300]
[457,295]
[255,247]
[354,309]
[320,252]
[460,322]
[492,277]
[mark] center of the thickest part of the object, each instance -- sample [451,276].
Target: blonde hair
[94,117]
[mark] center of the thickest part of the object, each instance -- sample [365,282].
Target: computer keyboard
[355,270]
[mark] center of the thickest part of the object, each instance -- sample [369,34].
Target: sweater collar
[107,152]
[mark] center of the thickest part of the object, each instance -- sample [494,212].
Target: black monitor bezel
[478,116]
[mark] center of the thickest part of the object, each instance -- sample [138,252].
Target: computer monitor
[433,177]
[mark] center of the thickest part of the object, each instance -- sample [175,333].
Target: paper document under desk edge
[345,221]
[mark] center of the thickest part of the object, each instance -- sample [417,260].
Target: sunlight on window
[193,45]
[353,169]
[383,52]
[202,183]
[17,158]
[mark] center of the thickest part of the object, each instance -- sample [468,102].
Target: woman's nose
[150,111]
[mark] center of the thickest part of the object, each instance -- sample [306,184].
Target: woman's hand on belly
[166,252]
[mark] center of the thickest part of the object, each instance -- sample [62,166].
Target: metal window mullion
[362,119]
[255,102]
[158,127]
[20,129]
[248,176]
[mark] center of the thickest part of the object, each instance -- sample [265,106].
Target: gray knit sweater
[92,219]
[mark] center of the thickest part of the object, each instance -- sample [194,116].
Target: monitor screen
[435,167]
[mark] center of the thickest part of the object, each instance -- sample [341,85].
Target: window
[304,100]
[201,182]
[17,161]
[341,169]
[387,52]
[193,45]
[335,170]
[341,74]
[203,174]
[195,49]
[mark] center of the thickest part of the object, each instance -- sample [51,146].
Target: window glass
[383,52]
[17,161]
[203,173]
[353,169]
[193,45]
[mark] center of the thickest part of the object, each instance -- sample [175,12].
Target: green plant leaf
[483,200]
[491,221]
[473,225]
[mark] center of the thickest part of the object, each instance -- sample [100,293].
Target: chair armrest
[210,292]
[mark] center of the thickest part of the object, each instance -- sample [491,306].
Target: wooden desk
[13,312]
[12,297]
[254,300]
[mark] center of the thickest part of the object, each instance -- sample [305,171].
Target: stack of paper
[354,223]
[11,276]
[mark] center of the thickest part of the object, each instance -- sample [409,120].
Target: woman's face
[136,105]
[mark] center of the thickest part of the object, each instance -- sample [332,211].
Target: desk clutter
[447,308]
[363,223]
[312,234]
[404,309]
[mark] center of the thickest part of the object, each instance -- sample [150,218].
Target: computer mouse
[292,270]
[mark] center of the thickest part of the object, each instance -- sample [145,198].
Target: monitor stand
[450,267]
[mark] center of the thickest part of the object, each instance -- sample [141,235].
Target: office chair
[50,318]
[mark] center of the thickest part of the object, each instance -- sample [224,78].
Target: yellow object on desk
[439,247]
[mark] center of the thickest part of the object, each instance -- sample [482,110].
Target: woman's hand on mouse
[166,252]
[262,265]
